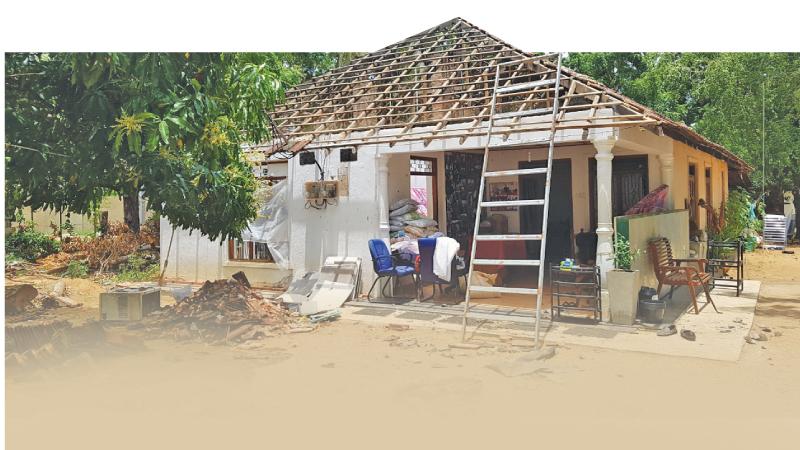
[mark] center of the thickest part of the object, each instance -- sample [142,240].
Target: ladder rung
[504,290]
[523,86]
[524,113]
[505,262]
[513,173]
[512,203]
[508,237]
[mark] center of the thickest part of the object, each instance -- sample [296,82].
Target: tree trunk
[130,206]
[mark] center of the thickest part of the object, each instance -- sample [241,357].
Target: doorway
[629,184]
[559,221]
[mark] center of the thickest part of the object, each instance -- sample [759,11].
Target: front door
[559,222]
[629,184]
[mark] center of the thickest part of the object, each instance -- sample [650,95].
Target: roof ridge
[442,76]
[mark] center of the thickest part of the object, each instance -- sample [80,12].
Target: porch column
[383,194]
[605,227]
[667,160]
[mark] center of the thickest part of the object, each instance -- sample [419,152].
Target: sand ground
[354,385]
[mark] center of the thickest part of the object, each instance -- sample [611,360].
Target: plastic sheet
[272,225]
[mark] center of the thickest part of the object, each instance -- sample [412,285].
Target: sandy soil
[773,265]
[352,385]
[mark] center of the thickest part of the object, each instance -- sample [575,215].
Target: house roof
[438,85]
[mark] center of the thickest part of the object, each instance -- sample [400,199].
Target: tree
[168,126]
[720,95]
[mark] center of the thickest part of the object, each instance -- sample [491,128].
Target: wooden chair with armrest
[669,272]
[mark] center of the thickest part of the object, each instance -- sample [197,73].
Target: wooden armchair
[670,272]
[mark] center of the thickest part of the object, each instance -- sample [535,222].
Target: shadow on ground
[779,299]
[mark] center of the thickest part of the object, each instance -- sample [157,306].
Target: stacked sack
[405,222]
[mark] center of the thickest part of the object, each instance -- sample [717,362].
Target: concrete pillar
[605,227]
[382,161]
[667,161]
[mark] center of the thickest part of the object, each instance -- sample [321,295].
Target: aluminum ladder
[544,202]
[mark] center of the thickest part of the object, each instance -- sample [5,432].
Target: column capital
[666,159]
[605,145]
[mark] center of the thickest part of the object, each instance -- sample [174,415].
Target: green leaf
[179,121]
[163,129]
[152,141]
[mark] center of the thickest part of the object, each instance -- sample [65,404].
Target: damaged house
[412,120]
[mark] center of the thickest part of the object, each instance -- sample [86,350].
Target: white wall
[195,258]
[340,230]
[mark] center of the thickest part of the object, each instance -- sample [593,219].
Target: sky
[364,26]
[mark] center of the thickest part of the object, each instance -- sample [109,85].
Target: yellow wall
[673,225]
[685,155]
[82,223]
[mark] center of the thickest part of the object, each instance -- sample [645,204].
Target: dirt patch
[772,265]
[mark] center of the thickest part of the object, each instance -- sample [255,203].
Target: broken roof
[438,85]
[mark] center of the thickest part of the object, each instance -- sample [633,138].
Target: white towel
[446,249]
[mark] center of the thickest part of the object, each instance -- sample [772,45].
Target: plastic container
[651,311]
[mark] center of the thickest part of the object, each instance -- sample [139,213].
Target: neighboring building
[82,223]
[416,114]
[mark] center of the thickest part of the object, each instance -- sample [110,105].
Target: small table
[569,288]
[723,256]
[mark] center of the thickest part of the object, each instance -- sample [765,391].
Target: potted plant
[623,284]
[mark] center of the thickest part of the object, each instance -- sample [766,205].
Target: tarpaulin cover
[272,225]
[652,202]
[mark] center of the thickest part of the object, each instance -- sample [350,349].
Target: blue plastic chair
[387,265]
[426,276]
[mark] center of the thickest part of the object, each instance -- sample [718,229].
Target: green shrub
[77,269]
[739,223]
[623,256]
[138,269]
[29,244]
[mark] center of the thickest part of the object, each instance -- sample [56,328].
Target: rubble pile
[34,344]
[221,311]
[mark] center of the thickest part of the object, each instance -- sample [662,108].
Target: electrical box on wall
[348,154]
[307,158]
[322,190]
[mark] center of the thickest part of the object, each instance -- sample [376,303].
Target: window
[424,185]
[243,250]
[693,204]
[239,250]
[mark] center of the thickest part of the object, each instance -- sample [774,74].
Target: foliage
[138,269]
[623,255]
[168,125]
[720,95]
[77,269]
[27,243]
[739,218]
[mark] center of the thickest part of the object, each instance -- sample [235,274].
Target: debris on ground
[41,344]
[19,296]
[220,312]
[104,252]
[465,346]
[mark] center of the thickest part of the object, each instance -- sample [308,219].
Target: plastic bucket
[651,311]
